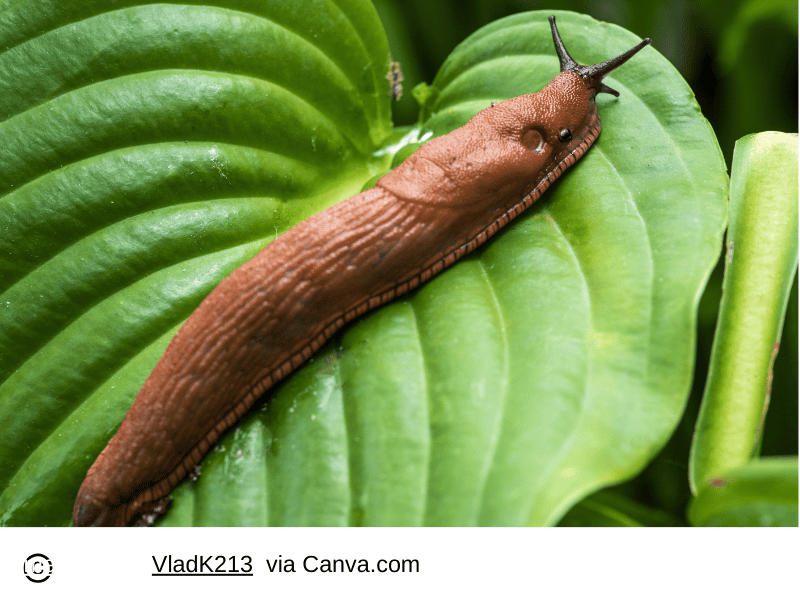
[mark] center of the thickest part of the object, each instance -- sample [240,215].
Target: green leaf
[608,508]
[552,362]
[147,151]
[760,266]
[597,286]
[760,493]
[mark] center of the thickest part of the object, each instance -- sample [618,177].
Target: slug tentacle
[592,74]
[272,313]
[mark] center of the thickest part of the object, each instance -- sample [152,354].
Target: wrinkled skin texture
[270,315]
[490,160]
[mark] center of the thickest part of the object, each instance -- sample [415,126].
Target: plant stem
[760,267]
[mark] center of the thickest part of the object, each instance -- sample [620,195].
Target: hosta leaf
[597,285]
[146,152]
[553,361]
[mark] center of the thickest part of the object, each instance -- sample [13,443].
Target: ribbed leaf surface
[147,151]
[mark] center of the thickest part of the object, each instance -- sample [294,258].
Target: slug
[271,314]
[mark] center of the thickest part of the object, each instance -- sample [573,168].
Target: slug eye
[565,135]
[534,140]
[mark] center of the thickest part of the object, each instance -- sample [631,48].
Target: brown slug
[275,311]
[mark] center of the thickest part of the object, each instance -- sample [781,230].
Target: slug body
[270,315]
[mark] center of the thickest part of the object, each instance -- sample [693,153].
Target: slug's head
[507,150]
[540,135]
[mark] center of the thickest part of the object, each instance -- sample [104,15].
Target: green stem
[759,270]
